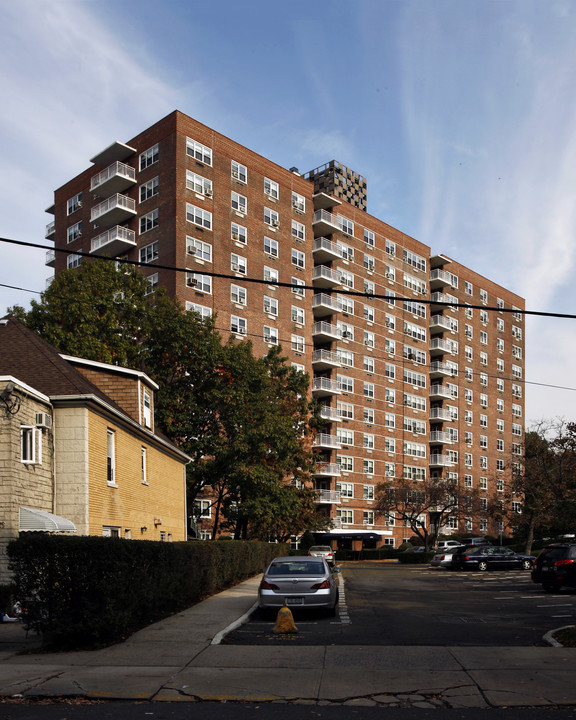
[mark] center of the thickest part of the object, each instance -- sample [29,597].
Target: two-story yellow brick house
[78,448]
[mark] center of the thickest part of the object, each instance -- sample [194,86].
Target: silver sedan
[299,582]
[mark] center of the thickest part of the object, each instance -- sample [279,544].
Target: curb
[217,639]
[550,639]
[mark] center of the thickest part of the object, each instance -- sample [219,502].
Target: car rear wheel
[551,587]
[526,564]
[483,565]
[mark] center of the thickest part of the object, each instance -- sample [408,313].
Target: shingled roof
[30,359]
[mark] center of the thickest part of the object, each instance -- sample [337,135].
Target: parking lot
[392,604]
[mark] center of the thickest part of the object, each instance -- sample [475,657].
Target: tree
[244,421]
[538,489]
[425,505]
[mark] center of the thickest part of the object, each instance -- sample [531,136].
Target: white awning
[41,521]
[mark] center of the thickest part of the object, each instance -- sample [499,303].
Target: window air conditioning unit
[235,266]
[208,192]
[347,334]
[235,236]
[275,223]
[44,420]
[192,282]
[235,173]
[191,250]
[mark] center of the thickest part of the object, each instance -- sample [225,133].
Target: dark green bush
[412,558]
[93,591]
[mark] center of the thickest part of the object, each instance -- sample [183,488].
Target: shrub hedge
[86,592]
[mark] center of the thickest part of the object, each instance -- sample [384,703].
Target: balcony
[441,278]
[324,223]
[323,305]
[439,346]
[440,461]
[439,300]
[325,359]
[327,470]
[325,277]
[115,241]
[50,230]
[440,369]
[323,387]
[440,438]
[114,179]
[329,413]
[326,331]
[329,442]
[440,415]
[50,258]
[325,250]
[114,210]
[439,323]
[439,392]
[331,497]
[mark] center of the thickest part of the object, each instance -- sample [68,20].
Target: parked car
[485,557]
[475,541]
[446,544]
[556,566]
[324,551]
[301,582]
[443,558]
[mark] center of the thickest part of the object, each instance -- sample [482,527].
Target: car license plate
[544,569]
[294,601]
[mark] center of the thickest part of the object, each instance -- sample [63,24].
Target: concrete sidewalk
[179,659]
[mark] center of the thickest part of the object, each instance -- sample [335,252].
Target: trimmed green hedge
[85,592]
[412,558]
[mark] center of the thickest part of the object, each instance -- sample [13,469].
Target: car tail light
[264,585]
[321,586]
[558,563]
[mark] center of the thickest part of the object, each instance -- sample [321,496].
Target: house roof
[33,361]
[37,363]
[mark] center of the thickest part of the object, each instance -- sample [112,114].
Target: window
[75,203]
[368,363]
[202,509]
[198,216]
[298,258]
[346,357]
[369,263]
[483,337]
[298,230]
[369,287]
[201,283]
[468,416]
[238,263]
[411,282]
[414,331]
[415,308]
[414,378]
[198,248]
[270,306]
[389,420]
[199,152]
[483,400]
[30,445]
[238,202]
[74,231]
[390,371]
[271,217]
[369,313]
[151,283]
[346,330]
[413,472]
[149,221]
[149,157]
[298,315]
[110,531]
[345,410]
[414,449]
[238,233]
[198,184]
[111,457]
[345,383]
[346,304]
[346,463]
[468,288]
[390,445]
[368,415]
[346,278]
[148,189]
[202,310]
[149,253]
[415,260]
[346,437]
[368,441]
[516,410]
[516,371]
[270,274]
[484,317]
[390,469]
[239,172]
[414,401]
[484,442]
[271,247]
[238,294]
[368,492]
[369,339]
[271,188]
[144,465]
[73,261]
[368,517]
[298,202]
[369,237]
[299,286]
[484,379]
[347,226]
[346,516]
[238,325]
[270,335]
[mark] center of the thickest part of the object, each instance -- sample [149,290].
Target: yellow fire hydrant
[285,621]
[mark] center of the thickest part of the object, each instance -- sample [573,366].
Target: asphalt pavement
[183,659]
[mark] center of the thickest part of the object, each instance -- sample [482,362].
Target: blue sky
[460,114]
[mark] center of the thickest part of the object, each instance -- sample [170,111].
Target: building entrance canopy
[31,520]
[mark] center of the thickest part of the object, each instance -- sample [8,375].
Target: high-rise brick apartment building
[408,388]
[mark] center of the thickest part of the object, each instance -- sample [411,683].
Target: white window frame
[201,153]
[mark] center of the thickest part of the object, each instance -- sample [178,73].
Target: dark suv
[556,566]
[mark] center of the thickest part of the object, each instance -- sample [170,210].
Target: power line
[260,281]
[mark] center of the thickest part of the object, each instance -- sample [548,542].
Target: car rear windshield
[557,553]
[296,568]
[321,548]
